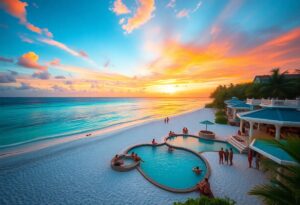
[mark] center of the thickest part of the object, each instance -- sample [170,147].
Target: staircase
[240,144]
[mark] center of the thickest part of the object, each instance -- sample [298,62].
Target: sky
[142,48]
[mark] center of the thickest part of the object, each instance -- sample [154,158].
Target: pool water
[170,169]
[199,145]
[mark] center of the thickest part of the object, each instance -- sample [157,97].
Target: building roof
[240,105]
[280,116]
[233,100]
[272,152]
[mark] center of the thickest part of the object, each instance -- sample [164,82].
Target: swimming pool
[199,144]
[170,169]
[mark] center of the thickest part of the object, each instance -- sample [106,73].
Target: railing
[275,103]
[253,101]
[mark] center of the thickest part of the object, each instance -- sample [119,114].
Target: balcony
[253,101]
[275,103]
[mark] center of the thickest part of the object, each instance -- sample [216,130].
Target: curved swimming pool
[199,144]
[170,170]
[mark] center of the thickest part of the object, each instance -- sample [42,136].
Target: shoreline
[50,142]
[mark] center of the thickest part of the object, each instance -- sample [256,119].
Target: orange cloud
[17,9]
[30,60]
[120,8]
[141,16]
[211,64]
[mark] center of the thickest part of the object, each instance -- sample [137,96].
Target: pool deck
[80,172]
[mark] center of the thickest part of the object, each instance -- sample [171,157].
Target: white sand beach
[79,172]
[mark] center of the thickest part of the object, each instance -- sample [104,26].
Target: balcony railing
[275,103]
[253,101]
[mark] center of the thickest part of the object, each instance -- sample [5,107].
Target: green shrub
[221,120]
[207,201]
[209,105]
[220,113]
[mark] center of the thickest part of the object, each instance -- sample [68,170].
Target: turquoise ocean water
[24,120]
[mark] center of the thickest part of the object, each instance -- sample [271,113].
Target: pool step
[238,145]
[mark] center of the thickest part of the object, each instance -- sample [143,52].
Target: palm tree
[277,86]
[284,188]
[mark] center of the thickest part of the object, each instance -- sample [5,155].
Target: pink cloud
[142,15]
[17,9]
[25,39]
[30,60]
[171,4]
[60,46]
[55,62]
[83,54]
[120,8]
[183,13]
[48,33]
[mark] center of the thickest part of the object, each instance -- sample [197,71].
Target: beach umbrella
[206,122]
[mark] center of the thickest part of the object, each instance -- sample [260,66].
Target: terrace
[275,103]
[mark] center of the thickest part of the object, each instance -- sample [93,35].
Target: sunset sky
[141,48]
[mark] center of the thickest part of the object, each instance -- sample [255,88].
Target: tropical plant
[221,120]
[277,86]
[284,188]
[207,201]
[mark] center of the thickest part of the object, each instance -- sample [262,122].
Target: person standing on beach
[226,154]
[250,157]
[230,156]
[221,156]
[167,120]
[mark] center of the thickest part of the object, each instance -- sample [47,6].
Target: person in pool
[170,149]
[197,170]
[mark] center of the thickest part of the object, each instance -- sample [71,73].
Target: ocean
[26,120]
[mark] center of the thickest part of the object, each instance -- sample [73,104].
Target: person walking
[230,156]
[250,157]
[221,156]
[226,154]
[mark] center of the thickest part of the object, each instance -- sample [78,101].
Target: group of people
[226,155]
[135,157]
[185,130]
[118,161]
[171,133]
[166,120]
[257,156]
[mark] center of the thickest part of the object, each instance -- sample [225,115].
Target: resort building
[233,107]
[277,119]
[266,78]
